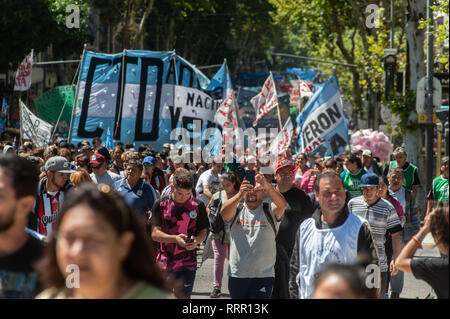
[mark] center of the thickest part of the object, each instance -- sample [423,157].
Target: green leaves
[26,25]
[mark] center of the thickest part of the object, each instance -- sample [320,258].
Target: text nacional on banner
[282,141]
[34,128]
[23,74]
[323,127]
[266,100]
[143,96]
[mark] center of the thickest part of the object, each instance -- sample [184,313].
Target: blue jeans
[188,278]
[250,288]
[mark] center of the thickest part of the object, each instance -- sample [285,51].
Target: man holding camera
[253,226]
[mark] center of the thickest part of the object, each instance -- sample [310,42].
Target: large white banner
[34,128]
[23,74]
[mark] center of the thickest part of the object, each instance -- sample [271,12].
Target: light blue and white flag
[220,86]
[4,106]
[109,144]
[322,124]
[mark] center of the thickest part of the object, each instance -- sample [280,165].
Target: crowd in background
[138,215]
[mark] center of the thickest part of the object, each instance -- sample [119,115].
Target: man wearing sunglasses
[99,172]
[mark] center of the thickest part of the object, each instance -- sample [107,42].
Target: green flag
[48,107]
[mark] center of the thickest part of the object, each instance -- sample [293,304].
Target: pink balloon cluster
[377,142]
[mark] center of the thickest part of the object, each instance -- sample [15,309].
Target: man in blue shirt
[137,193]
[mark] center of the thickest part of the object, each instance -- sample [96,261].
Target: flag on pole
[23,74]
[109,144]
[33,128]
[282,141]
[4,106]
[266,100]
[4,116]
[323,127]
[227,118]
[305,89]
[221,85]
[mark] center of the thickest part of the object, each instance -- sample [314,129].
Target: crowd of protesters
[131,219]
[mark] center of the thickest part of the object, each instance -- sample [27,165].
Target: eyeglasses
[96,167]
[329,166]
[148,164]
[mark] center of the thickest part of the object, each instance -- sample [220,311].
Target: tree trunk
[140,33]
[416,10]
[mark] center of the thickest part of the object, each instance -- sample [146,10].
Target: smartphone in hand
[189,240]
[250,176]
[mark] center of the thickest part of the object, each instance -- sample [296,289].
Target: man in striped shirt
[50,195]
[382,218]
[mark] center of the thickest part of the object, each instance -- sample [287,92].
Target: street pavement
[412,289]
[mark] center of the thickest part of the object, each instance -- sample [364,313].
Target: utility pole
[390,65]
[429,99]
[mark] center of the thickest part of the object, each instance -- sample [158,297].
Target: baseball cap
[58,164]
[367,153]
[283,163]
[149,159]
[97,159]
[369,179]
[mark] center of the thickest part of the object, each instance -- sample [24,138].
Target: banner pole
[76,92]
[121,93]
[278,107]
[59,117]
[20,121]
[65,102]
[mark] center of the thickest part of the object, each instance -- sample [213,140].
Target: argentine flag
[322,124]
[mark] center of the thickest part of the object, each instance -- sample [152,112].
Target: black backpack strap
[238,211]
[269,217]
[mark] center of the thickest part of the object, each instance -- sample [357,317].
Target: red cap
[283,163]
[97,159]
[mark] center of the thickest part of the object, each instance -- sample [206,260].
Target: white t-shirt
[208,179]
[109,178]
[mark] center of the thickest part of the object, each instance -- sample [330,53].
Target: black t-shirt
[299,208]
[434,271]
[18,279]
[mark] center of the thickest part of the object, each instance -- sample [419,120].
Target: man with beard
[50,195]
[253,226]
[299,208]
[18,250]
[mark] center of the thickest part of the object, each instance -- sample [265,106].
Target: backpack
[216,223]
[266,212]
